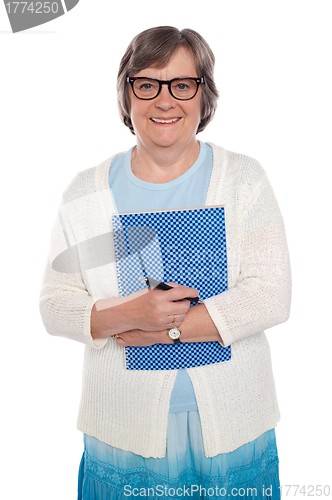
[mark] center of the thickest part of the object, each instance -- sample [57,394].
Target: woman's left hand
[142,338]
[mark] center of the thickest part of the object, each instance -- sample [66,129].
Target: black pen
[162,286]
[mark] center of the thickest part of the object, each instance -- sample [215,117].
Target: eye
[182,86]
[146,86]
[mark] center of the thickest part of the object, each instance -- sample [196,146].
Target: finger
[163,303]
[140,338]
[176,320]
[127,338]
[178,307]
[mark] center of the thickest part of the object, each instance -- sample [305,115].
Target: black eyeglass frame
[132,79]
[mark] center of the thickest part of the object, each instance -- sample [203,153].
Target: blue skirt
[251,471]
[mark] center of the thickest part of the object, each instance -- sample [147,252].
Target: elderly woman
[205,431]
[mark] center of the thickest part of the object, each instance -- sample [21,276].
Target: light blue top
[131,194]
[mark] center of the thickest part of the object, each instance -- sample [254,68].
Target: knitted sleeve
[65,303]
[261,296]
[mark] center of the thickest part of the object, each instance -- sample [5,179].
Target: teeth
[157,120]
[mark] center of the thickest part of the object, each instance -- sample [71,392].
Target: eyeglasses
[179,88]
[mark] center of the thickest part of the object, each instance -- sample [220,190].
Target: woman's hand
[143,338]
[161,309]
[197,326]
[149,310]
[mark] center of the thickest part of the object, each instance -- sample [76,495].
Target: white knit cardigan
[129,409]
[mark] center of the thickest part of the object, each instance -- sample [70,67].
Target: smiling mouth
[171,120]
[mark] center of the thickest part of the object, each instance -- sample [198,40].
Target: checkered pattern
[184,246]
[176,356]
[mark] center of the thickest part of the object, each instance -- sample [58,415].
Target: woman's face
[185,115]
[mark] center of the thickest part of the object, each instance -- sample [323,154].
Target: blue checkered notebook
[186,246]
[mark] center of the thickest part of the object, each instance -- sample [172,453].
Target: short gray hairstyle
[154,47]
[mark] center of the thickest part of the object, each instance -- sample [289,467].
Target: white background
[59,115]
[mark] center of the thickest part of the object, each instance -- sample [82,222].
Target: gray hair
[154,47]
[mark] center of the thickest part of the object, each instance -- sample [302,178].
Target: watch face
[174,333]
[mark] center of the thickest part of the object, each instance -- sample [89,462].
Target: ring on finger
[174,319]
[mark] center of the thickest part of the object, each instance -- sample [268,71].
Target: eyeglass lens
[180,89]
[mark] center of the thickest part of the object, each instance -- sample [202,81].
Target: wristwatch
[174,334]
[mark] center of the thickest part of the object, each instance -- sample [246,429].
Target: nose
[164,100]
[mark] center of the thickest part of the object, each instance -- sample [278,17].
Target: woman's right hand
[148,310]
[160,309]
